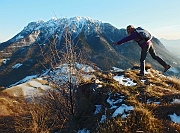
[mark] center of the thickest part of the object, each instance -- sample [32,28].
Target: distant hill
[172,45]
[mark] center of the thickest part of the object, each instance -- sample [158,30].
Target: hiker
[143,38]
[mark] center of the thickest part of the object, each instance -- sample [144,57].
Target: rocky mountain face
[30,51]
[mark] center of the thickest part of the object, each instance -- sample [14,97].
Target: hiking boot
[166,68]
[140,74]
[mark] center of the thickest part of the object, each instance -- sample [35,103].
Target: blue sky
[160,17]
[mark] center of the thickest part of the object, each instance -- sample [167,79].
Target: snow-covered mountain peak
[40,21]
[54,18]
[65,22]
[55,25]
[84,19]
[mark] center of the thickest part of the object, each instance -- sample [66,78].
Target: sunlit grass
[152,104]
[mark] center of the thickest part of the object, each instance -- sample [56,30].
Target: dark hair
[129,27]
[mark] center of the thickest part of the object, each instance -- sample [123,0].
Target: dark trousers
[149,48]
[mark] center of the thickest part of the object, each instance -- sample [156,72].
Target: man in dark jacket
[146,46]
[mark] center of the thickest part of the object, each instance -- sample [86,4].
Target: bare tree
[65,58]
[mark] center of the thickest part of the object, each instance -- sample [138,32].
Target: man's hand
[115,43]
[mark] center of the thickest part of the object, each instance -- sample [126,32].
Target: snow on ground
[24,80]
[116,69]
[65,68]
[87,77]
[124,81]
[176,101]
[152,102]
[32,88]
[175,118]
[64,71]
[85,68]
[84,131]
[19,37]
[103,119]
[174,70]
[121,111]
[17,65]
[116,103]
[175,63]
[5,60]
[98,109]
[113,102]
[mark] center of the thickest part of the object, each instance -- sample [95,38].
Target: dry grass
[137,66]
[43,115]
[14,91]
[141,120]
[152,106]
[1,62]
[147,117]
[174,82]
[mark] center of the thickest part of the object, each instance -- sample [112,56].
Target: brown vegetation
[52,112]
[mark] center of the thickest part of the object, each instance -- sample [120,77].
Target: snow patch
[85,68]
[124,81]
[54,18]
[103,118]
[149,102]
[30,89]
[98,109]
[5,60]
[24,80]
[112,102]
[115,101]
[175,63]
[116,69]
[174,70]
[17,65]
[176,101]
[33,88]
[121,110]
[84,131]
[19,37]
[175,118]
[64,71]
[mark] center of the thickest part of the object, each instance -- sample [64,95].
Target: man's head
[130,29]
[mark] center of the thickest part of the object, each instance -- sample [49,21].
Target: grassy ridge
[152,104]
